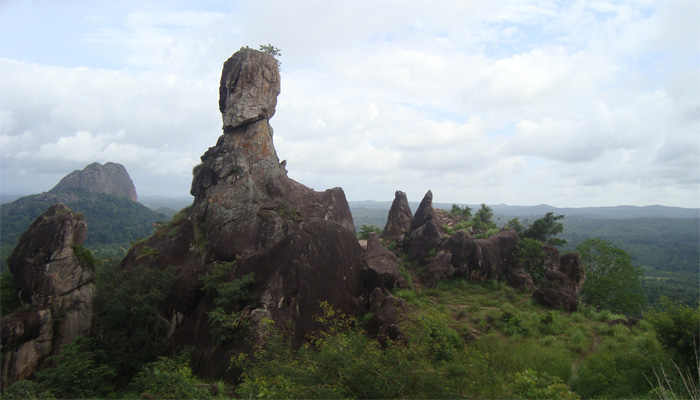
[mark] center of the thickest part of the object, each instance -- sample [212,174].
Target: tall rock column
[55,288]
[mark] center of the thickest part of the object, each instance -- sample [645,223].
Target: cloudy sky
[576,103]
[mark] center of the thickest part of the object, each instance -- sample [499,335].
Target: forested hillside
[114,222]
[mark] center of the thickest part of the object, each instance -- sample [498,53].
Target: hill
[103,194]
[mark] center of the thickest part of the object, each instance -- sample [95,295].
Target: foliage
[25,390]
[483,218]
[515,225]
[529,384]
[543,229]
[270,49]
[79,371]
[677,327]
[464,211]
[612,282]
[85,257]
[620,366]
[530,255]
[366,230]
[9,299]
[129,314]
[169,378]
[114,222]
[228,296]
[342,362]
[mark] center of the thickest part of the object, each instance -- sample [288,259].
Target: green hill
[114,222]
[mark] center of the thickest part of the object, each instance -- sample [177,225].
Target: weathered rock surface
[250,83]
[110,178]
[382,265]
[299,244]
[56,290]
[426,232]
[398,223]
[572,266]
[556,291]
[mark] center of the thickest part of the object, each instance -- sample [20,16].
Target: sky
[566,103]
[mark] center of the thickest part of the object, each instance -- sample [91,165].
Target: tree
[677,328]
[464,211]
[482,218]
[80,371]
[367,230]
[612,282]
[270,49]
[544,228]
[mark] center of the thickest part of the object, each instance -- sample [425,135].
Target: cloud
[579,103]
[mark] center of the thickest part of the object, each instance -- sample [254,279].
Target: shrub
[169,378]
[529,384]
[84,257]
[676,327]
[79,371]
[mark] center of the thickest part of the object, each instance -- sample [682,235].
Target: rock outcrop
[556,291]
[382,265]
[55,289]
[110,178]
[298,244]
[398,223]
[426,231]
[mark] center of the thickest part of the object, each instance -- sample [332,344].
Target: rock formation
[55,288]
[110,178]
[298,244]
[426,231]
[398,223]
[382,265]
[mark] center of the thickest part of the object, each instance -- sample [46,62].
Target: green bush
[25,390]
[619,368]
[79,371]
[677,326]
[169,378]
[85,257]
[529,384]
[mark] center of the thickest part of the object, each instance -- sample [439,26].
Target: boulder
[398,223]
[556,291]
[382,264]
[51,282]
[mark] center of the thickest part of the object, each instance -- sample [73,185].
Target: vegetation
[9,299]
[612,282]
[114,222]
[129,317]
[366,230]
[226,323]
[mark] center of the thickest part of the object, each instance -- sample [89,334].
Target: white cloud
[521,102]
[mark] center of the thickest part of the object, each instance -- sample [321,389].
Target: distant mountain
[103,194]
[110,178]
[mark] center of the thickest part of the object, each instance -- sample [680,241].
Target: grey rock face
[51,283]
[110,178]
[383,264]
[398,223]
[250,83]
